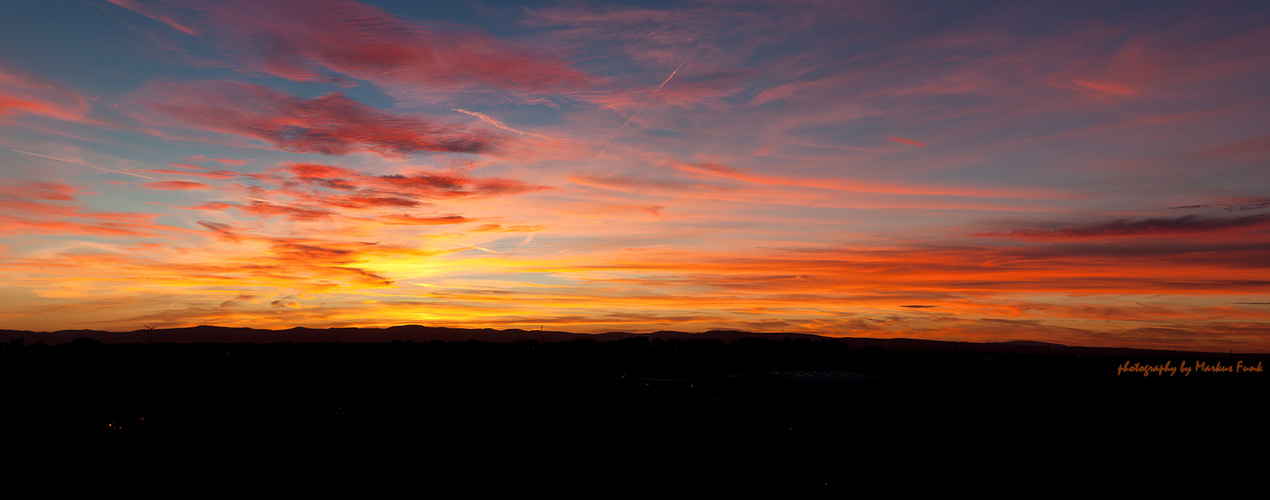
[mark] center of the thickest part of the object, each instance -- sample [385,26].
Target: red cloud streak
[320,40]
[305,191]
[331,124]
[902,140]
[24,93]
[176,185]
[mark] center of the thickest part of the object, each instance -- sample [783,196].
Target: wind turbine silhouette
[149,333]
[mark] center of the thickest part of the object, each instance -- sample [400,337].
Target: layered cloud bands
[331,124]
[53,208]
[22,93]
[1159,226]
[311,191]
[1083,174]
[330,40]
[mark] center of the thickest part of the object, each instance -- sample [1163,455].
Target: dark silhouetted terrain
[742,410]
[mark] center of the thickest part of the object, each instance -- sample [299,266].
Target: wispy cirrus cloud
[225,230]
[496,123]
[413,220]
[42,191]
[645,184]
[315,192]
[902,140]
[22,93]
[54,208]
[709,169]
[175,185]
[151,13]
[331,124]
[334,40]
[337,186]
[1159,226]
[267,209]
[1229,207]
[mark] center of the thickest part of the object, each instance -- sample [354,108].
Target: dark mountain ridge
[419,333]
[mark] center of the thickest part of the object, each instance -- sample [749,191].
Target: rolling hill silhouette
[419,333]
[796,412]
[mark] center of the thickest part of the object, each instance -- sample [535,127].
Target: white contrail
[663,84]
[495,122]
[82,164]
[483,249]
[641,106]
[602,150]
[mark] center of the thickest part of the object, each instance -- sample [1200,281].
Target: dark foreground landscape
[721,410]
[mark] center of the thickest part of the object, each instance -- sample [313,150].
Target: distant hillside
[418,333]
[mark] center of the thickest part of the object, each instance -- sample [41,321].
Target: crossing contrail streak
[82,164]
[641,106]
[663,84]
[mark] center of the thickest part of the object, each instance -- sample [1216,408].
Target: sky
[1089,173]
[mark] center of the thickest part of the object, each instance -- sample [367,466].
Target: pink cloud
[152,14]
[328,40]
[712,170]
[52,208]
[305,191]
[902,140]
[331,124]
[406,184]
[226,161]
[451,185]
[46,191]
[268,209]
[213,206]
[1165,64]
[216,175]
[175,185]
[1160,226]
[24,93]
[645,184]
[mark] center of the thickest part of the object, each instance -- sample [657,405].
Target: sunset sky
[1089,173]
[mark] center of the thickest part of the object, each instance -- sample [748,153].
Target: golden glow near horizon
[1093,177]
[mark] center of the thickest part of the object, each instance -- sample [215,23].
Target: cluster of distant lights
[116,426]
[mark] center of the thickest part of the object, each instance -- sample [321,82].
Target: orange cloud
[175,185]
[45,208]
[24,93]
